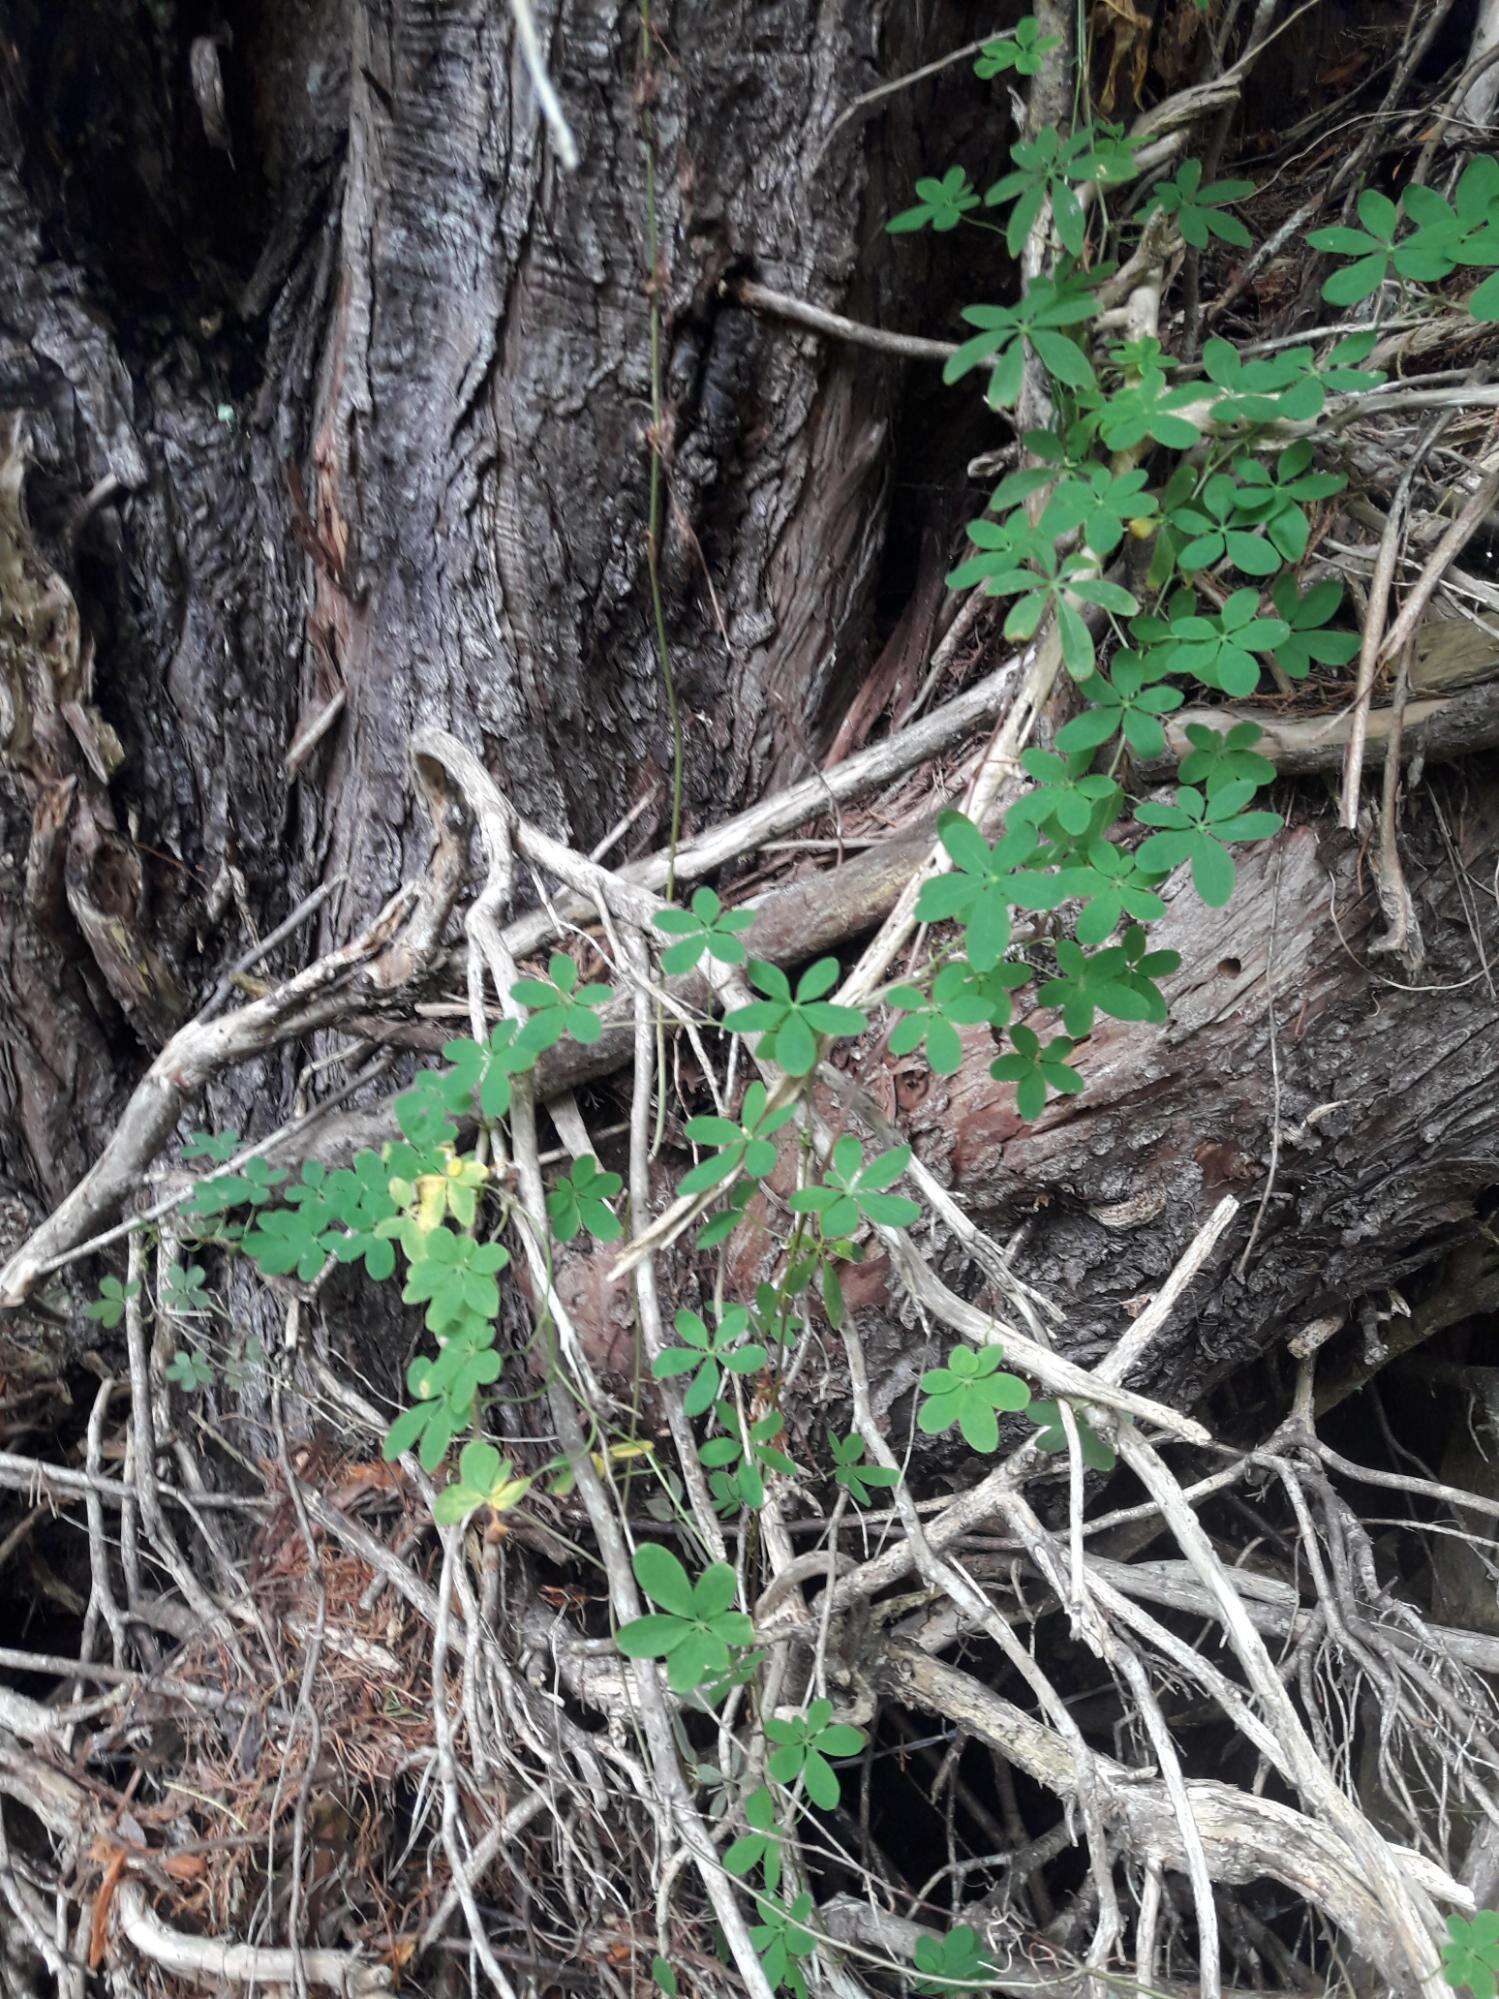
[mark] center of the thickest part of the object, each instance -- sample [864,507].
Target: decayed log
[1366,1123]
[1295,1072]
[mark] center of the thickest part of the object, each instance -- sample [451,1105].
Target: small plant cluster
[1192,573]
[1189,572]
[419,1201]
[1419,239]
[428,1213]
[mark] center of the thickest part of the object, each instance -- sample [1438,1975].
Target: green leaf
[580,1200]
[1021,50]
[1216,760]
[1035,1070]
[1378,214]
[1356,281]
[663,1578]
[219,1147]
[1052,1438]
[652,1636]
[950,1963]
[791,1026]
[968,1393]
[1198,210]
[108,1309]
[855,1477]
[559,1006]
[704,927]
[940,204]
[189,1371]
[1470,1957]
[1483,303]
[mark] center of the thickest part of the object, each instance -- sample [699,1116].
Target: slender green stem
[655,506]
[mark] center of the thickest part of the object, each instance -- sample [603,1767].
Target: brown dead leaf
[1129,32]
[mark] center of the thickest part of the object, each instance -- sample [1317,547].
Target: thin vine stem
[655,499]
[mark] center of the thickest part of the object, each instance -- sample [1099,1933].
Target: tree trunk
[353,433]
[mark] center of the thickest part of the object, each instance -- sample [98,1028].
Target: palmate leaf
[1307,616]
[483,1069]
[1220,648]
[960,996]
[1218,526]
[1470,1957]
[852,1474]
[485,1479]
[580,1200]
[287,1241]
[1067,794]
[1036,1070]
[559,1006]
[1130,703]
[220,1147]
[1051,1437]
[780,1938]
[695,1626]
[108,1308]
[1111,885]
[706,1355]
[189,1371]
[979,892]
[1275,387]
[454,1276]
[949,1961]
[1099,982]
[1100,503]
[851,1191]
[704,926]
[802,1746]
[1021,50]
[1038,319]
[743,1147]
[970,1392]
[749,1449]
[428,1427]
[1216,760]
[1199,211]
[1197,829]
[1371,249]
[791,1024]
[1046,168]
[1149,407]
[761,1845]
[940,204]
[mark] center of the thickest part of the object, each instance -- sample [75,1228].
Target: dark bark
[373,404]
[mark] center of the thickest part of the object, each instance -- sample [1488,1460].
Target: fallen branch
[833,325]
[1440,730]
[1244,1836]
